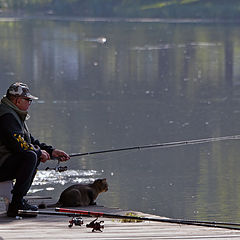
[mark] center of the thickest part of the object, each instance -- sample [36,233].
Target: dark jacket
[14,134]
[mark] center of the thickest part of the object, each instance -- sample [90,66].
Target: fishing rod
[97,226]
[227,225]
[169,220]
[142,147]
[160,145]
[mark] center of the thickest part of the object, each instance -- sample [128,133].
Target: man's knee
[21,164]
[30,158]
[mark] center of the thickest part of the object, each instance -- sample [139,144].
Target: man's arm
[53,152]
[12,136]
[43,146]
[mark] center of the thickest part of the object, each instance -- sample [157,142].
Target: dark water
[106,85]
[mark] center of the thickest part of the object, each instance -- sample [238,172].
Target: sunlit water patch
[101,40]
[171,46]
[153,47]
[70,176]
[205,44]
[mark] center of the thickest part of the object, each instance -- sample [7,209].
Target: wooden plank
[56,227]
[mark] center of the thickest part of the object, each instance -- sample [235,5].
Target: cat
[81,194]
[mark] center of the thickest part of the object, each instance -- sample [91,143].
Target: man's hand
[61,155]
[45,156]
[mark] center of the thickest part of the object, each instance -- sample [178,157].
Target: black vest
[5,109]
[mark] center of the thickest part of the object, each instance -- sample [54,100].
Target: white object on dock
[5,192]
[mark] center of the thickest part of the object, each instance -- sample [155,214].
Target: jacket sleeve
[42,146]
[12,136]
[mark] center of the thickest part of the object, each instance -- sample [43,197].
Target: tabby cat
[81,194]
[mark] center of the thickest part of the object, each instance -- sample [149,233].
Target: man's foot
[29,206]
[22,205]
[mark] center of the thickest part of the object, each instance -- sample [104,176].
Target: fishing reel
[77,221]
[96,226]
[57,168]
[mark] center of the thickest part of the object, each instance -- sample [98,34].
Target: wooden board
[56,227]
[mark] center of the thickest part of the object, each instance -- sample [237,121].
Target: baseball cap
[20,90]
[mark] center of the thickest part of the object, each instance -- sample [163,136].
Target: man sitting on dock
[20,152]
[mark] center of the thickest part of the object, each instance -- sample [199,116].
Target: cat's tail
[43,205]
[58,204]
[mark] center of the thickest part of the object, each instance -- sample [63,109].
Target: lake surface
[104,85]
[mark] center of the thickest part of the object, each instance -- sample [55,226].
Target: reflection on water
[51,180]
[105,85]
[69,176]
[169,46]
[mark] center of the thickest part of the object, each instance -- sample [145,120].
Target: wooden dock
[56,227]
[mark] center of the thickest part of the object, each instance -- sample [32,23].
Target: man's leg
[22,167]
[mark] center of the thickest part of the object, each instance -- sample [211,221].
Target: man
[20,152]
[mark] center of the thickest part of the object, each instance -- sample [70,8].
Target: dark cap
[20,90]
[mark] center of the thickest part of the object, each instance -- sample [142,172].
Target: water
[104,85]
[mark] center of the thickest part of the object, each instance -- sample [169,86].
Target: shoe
[29,206]
[22,205]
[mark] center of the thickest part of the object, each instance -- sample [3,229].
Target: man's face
[23,103]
